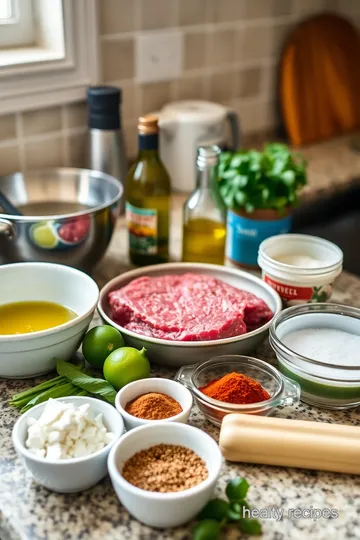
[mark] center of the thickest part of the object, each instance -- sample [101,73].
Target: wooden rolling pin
[290,443]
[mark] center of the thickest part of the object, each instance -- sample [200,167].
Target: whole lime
[99,342]
[126,365]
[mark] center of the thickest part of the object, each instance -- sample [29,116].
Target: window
[48,51]
[16,23]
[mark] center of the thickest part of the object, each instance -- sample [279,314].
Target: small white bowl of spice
[300,267]
[151,400]
[164,473]
[65,442]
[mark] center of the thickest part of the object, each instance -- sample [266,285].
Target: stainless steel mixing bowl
[69,216]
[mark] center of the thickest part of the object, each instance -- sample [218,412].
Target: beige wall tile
[118,60]
[195,50]
[257,42]
[154,96]
[307,7]
[77,150]
[129,108]
[226,10]
[117,16]
[239,44]
[270,84]
[222,86]
[193,12]
[249,80]
[77,114]
[222,47]
[41,121]
[267,116]
[131,141]
[258,9]
[7,127]
[282,7]
[281,32]
[44,153]
[158,14]
[9,159]
[192,88]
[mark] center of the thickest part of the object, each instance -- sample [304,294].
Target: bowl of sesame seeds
[164,474]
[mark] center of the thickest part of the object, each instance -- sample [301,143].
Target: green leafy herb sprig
[71,381]
[251,180]
[219,513]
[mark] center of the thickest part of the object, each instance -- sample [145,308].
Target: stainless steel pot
[69,216]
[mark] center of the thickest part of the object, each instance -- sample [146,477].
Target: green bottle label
[142,225]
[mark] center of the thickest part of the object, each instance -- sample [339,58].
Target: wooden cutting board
[319,84]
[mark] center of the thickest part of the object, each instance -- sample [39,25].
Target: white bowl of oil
[33,353]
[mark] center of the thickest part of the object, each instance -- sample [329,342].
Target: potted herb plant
[260,190]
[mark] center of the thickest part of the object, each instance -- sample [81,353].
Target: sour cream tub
[300,267]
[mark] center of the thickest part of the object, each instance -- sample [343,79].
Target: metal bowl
[180,353]
[69,216]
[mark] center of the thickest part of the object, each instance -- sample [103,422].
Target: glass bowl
[283,391]
[326,385]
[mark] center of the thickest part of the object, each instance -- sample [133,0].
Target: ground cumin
[235,388]
[165,468]
[153,406]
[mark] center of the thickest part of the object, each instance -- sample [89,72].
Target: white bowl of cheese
[67,474]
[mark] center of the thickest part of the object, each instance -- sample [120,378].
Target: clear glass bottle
[204,221]
[148,190]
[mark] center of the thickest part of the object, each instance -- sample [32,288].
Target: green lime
[126,365]
[99,342]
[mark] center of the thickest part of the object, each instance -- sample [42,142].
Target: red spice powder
[235,388]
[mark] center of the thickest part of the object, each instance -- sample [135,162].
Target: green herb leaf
[237,489]
[64,390]
[269,179]
[208,529]
[236,510]
[93,385]
[250,526]
[215,509]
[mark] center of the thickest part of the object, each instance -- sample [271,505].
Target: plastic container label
[142,227]
[244,236]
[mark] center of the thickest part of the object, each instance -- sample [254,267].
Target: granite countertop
[29,511]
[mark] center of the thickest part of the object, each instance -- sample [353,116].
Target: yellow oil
[26,317]
[204,241]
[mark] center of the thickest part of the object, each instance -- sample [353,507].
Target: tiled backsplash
[231,51]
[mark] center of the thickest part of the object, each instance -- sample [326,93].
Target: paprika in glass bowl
[237,384]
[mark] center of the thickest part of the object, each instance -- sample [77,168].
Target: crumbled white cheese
[65,431]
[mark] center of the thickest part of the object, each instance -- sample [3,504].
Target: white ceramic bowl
[165,386]
[75,474]
[29,355]
[180,353]
[164,509]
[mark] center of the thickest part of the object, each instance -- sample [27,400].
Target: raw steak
[188,307]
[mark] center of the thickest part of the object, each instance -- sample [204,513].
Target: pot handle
[7,228]
[183,376]
[234,122]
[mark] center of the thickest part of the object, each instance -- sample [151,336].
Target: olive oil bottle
[148,199]
[204,225]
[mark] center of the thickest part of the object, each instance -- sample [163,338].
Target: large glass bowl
[282,390]
[326,385]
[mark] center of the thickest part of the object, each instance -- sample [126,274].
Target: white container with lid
[300,267]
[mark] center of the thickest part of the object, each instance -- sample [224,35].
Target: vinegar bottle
[204,225]
[148,199]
